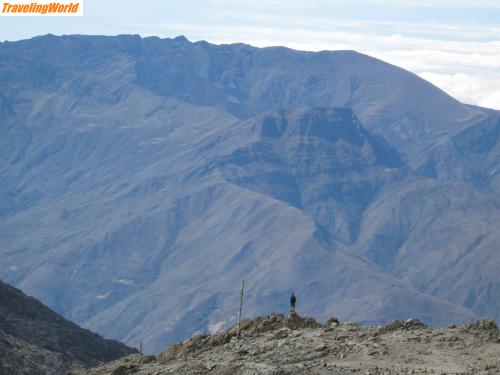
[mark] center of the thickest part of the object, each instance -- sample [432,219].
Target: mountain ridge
[164,170]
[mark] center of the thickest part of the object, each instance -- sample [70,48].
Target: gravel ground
[295,345]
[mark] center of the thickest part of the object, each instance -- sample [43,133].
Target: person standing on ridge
[293,300]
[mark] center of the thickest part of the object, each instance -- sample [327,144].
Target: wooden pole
[239,312]
[140,340]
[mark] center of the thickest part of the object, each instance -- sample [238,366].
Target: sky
[453,44]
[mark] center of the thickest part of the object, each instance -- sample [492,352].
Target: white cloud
[103,296]
[125,281]
[215,327]
[469,89]
[462,86]
[438,3]
[491,100]
[437,60]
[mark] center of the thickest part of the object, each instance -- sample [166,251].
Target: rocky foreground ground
[293,345]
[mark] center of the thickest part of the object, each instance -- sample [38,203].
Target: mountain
[277,344]
[470,156]
[35,340]
[238,78]
[142,179]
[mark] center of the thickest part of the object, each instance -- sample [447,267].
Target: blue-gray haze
[142,179]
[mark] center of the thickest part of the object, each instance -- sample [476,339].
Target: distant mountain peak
[181,38]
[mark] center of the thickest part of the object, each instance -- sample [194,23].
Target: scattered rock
[147,359]
[332,321]
[282,333]
[402,325]
[244,325]
[124,370]
[320,348]
[219,339]
[484,325]
[174,351]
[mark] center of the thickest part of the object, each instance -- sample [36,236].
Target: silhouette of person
[293,300]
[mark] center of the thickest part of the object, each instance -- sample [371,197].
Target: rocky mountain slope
[35,340]
[137,190]
[293,345]
[469,156]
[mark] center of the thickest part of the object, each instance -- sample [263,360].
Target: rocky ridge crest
[278,344]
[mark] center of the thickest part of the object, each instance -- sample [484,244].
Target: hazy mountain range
[142,179]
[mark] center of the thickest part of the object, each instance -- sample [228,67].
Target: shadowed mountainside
[35,340]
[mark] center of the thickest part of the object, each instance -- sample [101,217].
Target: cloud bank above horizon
[453,44]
